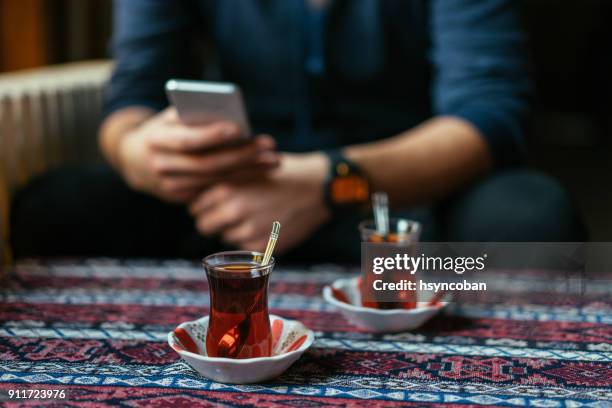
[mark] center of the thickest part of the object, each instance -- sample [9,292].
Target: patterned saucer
[290,340]
[344,294]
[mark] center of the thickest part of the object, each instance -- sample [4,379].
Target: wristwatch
[346,185]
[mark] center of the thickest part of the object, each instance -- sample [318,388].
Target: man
[425,100]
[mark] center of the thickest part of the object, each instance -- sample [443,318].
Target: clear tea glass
[239,322]
[403,233]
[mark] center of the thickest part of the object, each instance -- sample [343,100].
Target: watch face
[351,189]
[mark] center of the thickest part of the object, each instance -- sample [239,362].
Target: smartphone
[202,102]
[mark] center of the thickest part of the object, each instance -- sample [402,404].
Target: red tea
[239,324]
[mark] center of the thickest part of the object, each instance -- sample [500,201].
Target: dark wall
[571,137]
[78,29]
[571,50]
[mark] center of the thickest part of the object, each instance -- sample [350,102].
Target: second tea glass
[403,233]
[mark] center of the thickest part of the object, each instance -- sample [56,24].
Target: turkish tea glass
[239,322]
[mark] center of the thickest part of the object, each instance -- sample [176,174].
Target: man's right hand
[175,162]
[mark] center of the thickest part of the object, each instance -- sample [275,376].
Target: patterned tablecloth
[97,330]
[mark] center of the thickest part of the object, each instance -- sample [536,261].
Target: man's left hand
[241,213]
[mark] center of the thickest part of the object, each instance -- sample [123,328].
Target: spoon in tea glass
[232,342]
[380,203]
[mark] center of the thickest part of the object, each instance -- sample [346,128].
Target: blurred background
[51,102]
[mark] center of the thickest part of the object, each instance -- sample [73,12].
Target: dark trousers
[90,211]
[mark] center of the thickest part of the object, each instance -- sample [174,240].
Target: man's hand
[175,162]
[242,212]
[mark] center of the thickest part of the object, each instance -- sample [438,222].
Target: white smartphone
[202,102]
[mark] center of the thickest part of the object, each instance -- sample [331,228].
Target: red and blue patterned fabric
[97,329]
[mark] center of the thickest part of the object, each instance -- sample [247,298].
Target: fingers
[220,218]
[249,231]
[265,142]
[258,244]
[170,114]
[218,162]
[218,210]
[268,159]
[180,138]
[177,184]
[209,199]
[179,197]
[267,156]
[231,219]
[211,164]
[181,189]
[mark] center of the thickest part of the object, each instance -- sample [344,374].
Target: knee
[515,205]
[52,209]
[34,211]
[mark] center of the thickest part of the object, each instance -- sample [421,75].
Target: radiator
[48,116]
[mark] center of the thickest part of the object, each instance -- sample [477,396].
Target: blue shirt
[355,72]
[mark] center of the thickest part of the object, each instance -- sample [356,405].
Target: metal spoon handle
[380,202]
[271,243]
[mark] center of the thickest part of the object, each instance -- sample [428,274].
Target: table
[97,330]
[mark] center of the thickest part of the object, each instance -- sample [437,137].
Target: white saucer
[378,320]
[291,339]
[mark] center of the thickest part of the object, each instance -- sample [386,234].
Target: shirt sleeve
[152,42]
[481,71]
